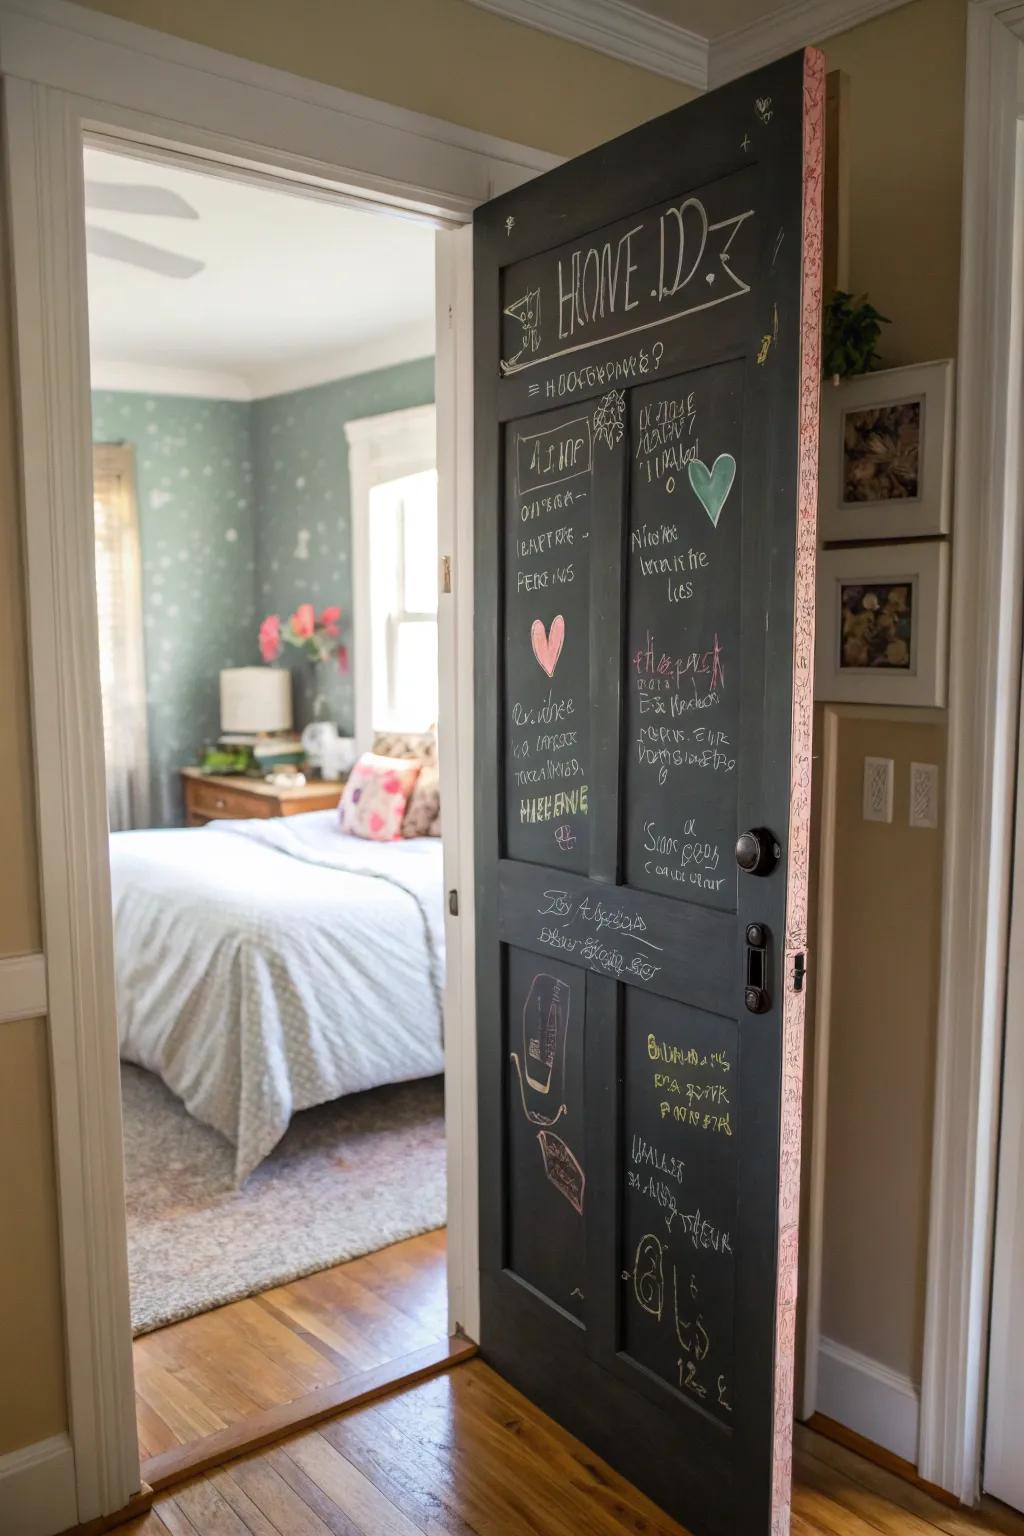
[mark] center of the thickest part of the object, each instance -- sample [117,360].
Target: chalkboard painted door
[646,339]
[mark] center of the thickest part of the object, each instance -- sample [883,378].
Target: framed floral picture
[886,454]
[881,625]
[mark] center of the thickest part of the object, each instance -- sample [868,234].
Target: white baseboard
[868,1397]
[37,1489]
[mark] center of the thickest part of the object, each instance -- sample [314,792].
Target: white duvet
[264,967]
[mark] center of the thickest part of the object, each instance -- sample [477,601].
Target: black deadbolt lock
[757,851]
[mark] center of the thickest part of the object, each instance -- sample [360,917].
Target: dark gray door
[646,450]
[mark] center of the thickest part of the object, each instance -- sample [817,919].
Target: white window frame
[380,448]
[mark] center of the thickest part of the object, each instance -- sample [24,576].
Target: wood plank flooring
[465,1454]
[229,1368]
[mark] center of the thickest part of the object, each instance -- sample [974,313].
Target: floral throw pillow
[376,795]
[423,814]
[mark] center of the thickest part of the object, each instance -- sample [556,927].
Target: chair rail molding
[980,778]
[71,73]
[22,988]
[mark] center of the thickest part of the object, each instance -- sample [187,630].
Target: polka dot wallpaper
[197,527]
[244,511]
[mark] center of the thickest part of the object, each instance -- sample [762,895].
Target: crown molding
[406,345]
[785,30]
[617,29]
[155,379]
[262,381]
[623,32]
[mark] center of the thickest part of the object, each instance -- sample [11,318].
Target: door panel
[646,416]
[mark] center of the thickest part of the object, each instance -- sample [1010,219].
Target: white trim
[785,30]
[623,31]
[454,387]
[70,73]
[1004,1419]
[22,988]
[37,1488]
[154,379]
[380,448]
[983,695]
[617,29]
[44,166]
[868,1397]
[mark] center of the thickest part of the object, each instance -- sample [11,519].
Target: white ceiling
[295,291]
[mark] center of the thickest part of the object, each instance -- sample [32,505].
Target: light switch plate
[924,794]
[878,779]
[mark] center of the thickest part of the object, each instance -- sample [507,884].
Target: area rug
[347,1178]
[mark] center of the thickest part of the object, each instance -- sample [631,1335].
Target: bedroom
[266,554]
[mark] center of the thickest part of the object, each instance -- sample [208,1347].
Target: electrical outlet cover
[924,794]
[878,780]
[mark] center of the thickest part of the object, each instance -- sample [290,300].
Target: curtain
[122,652]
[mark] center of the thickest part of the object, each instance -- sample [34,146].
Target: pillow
[376,796]
[423,813]
[418,744]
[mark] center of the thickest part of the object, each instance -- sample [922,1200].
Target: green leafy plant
[850,329]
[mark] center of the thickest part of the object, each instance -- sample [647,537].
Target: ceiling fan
[124,197]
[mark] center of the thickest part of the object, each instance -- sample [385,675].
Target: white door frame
[68,72]
[1004,1418]
[988,568]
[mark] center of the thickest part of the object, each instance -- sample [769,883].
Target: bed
[264,967]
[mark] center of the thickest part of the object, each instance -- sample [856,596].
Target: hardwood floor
[465,1454]
[225,1375]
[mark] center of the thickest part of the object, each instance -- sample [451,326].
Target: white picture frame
[914,493]
[908,588]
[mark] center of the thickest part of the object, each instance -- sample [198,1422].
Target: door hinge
[446,573]
[453,903]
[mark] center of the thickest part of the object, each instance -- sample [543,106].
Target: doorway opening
[266,546]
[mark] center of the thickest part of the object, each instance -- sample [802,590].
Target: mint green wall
[243,511]
[197,527]
[303,540]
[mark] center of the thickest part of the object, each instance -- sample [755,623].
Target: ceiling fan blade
[126,197]
[139,253]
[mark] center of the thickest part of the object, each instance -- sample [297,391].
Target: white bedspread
[267,966]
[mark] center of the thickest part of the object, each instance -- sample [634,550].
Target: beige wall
[450,59]
[443,57]
[905,141]
[905,145]
[886,913]
[31,1333]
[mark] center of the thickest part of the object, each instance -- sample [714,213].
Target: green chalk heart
[712,486]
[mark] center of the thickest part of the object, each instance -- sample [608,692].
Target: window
[122,657]
[403,602]
[392,468]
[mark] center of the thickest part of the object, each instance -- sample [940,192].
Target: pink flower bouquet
[319,638]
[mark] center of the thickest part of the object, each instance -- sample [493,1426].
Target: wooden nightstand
[216,797]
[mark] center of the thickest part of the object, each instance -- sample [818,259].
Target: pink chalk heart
[548,647]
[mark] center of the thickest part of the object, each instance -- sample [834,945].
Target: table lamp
[255,701]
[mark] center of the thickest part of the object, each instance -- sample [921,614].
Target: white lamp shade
[255,699]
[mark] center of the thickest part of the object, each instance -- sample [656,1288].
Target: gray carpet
[348,1178]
